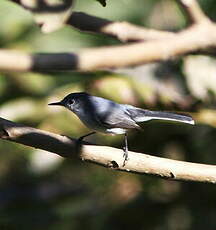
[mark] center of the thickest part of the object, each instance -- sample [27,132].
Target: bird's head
[72,101]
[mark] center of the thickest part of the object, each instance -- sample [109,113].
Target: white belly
[96,126]
[116,131]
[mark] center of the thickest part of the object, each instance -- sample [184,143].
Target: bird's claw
[80,139]
[125,156]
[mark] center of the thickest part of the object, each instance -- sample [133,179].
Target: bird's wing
[142,115]
[116,117]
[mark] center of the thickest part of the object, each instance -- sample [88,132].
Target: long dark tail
[141,115]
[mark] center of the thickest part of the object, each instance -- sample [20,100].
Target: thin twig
[107,156]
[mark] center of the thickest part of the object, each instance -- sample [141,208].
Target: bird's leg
[80,139]
[125,149]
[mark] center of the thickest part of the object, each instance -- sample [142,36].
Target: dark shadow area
[87,22]
[54,62]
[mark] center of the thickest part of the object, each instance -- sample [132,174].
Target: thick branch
[107,156]
[197,38]
[158,45]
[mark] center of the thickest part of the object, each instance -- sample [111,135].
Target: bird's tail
[141,115]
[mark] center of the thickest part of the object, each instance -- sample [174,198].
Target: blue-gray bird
[106,116]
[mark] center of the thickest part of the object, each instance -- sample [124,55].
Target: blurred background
[40,190]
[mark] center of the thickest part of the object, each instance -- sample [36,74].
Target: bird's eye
[71,101]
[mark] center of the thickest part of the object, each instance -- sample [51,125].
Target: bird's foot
[125,156]
[80,139]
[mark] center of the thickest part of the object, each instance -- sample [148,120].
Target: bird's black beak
[56,103]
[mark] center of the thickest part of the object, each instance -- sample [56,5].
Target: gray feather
[108,114]
[142,115]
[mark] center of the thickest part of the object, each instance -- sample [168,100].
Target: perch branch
[107,156]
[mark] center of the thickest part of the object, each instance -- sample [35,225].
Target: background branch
[197,38]
[123,31]
[193,11]
[106,156]
[155,45]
